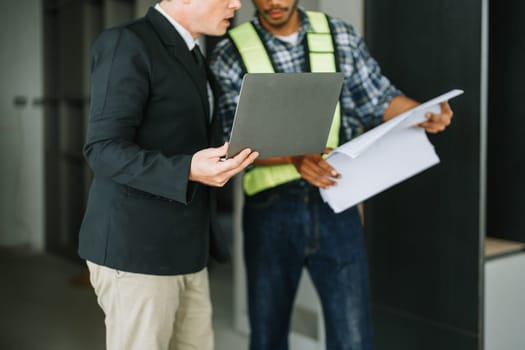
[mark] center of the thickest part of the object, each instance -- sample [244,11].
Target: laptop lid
[285,114]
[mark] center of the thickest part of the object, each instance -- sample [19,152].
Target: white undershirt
[291,39]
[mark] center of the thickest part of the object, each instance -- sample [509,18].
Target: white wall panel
[21,128]
[505,303]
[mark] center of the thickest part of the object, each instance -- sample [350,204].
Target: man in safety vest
[287,226]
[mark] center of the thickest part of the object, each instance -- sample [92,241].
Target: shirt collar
[184,33]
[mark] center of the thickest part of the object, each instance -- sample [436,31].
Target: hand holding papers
[383,156]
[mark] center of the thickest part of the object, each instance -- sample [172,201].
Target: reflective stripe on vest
[256,60]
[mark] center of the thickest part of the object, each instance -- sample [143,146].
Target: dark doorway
[70,26]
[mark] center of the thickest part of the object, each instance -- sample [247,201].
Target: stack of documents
[383,156]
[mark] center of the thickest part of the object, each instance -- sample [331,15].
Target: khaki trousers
[149,312]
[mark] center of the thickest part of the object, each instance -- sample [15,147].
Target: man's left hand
[438,122]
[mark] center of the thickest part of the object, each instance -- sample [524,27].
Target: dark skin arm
[314,169]
[435,122]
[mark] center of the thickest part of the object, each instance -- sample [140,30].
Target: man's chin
[220,31]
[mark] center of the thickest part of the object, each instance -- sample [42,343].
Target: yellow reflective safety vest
[257,60]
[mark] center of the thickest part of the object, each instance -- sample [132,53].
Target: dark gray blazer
[149,114]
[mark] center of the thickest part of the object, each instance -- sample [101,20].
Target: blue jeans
[289,227]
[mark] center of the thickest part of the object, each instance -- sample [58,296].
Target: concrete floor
[42,308]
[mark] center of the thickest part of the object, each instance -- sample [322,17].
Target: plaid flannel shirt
[365,94]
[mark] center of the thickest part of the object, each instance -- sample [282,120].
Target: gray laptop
[285,114]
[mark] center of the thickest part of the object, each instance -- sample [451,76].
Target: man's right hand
[208,168]
[314,169]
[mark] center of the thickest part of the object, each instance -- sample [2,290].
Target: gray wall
[350,10]
[141,6]
[21,128]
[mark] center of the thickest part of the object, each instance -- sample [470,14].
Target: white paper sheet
[383,156]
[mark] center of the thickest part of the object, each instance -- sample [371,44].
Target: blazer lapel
[178,48]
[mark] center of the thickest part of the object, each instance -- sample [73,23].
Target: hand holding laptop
[208,168]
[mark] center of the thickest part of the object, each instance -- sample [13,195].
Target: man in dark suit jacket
[145,234]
